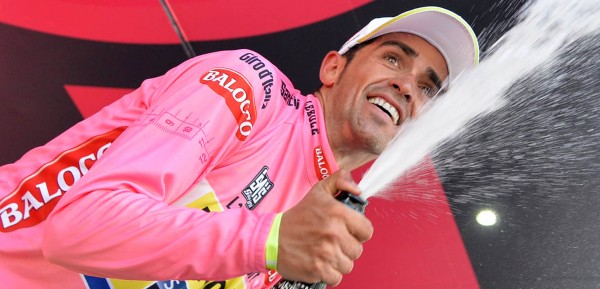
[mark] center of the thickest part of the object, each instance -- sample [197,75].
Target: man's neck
[348,158]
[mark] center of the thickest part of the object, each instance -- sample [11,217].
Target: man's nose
[406,87]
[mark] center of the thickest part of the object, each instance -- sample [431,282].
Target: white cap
[444,29]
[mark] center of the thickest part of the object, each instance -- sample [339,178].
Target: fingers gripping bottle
[354,202]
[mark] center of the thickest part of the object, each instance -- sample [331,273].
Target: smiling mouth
[387,108]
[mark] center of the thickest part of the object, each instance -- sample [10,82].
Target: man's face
[385,84]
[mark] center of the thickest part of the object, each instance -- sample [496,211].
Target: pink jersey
[206,155]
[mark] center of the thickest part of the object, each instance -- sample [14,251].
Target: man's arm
[117,220]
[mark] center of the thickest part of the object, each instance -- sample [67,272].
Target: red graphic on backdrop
[145,22]
[90,99]
[416,243]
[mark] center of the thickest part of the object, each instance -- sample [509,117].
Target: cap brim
[444,29]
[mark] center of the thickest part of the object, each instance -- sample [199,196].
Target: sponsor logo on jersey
[266,282]
[309,108]
[238,95]
[92,282]
[289,99]
[258,280]
[321,164]
[260,186]
[265,75]
[37,195]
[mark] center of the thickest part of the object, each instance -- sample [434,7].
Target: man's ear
[331,68]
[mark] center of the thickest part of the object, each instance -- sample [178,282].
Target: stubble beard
[372,142]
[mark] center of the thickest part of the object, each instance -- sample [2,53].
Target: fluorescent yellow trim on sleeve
[272,247]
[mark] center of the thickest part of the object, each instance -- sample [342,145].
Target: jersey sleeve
[118,221]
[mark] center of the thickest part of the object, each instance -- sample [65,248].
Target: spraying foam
[544,28]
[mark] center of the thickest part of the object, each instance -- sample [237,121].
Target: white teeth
[388,107]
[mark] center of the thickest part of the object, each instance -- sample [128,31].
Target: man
[221,170]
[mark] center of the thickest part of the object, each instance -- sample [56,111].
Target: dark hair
[352,51]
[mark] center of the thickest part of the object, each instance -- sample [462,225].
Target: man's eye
[428,91]
[392,59]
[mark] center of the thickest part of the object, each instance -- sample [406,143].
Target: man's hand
[320,237]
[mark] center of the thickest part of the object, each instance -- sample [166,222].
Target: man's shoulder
[239,57]
[268,82]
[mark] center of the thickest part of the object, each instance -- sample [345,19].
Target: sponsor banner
[265,75]
[288,98]
[321,164]
[38,194]
[260,186]
[309,108]
[238,95]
